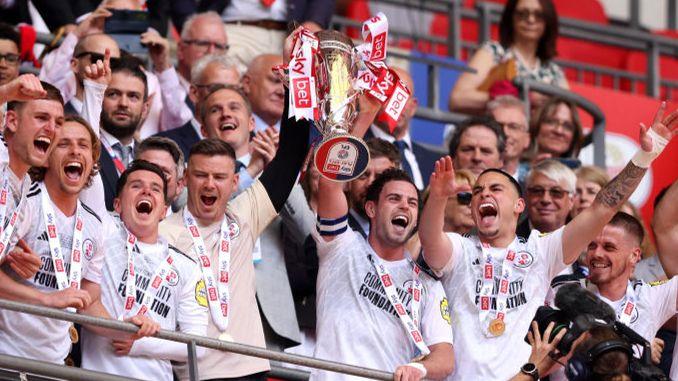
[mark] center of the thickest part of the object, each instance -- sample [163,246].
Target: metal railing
[191,341]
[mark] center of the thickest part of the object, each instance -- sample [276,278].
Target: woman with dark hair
[527,46]
[556,131]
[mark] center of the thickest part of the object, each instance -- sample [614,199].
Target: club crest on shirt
[234,229]
[173,277]
[523,260]
[445,311]
[88,248]
[201,293]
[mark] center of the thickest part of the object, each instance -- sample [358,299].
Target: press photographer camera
[609,350]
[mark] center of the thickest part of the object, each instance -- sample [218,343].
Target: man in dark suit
[417,160]
[124,106]
[210,70]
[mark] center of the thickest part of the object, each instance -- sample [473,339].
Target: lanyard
[4,196]
[162,273]
[217,293]
[625,313]
[119,165]
[411,324]
[492,319]
[75,275]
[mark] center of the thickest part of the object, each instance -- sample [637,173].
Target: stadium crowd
[167,192]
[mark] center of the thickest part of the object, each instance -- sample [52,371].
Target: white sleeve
[328,250]
[457,253]
[164,349]
[56,64]
[93,196]
[191,316]
[175,113]
[550,250]
[436,325]
[662,297]
[93,270]
[23,225]
[92,103]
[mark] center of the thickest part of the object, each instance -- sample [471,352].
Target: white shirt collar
[196,127]
[77,104]
[245,159]
[260,125]
[381,134]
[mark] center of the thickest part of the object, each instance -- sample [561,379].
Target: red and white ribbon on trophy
[374,76]
[382,83]
[303,100]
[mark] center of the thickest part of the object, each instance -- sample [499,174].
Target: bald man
[265,91]
[417,160]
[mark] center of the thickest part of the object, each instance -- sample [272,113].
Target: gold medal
[69,361]
[73,334]
[497,327]
[225,337]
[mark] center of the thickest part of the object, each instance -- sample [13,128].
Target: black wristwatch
[530,370]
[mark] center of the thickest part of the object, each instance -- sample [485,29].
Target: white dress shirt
[409,155]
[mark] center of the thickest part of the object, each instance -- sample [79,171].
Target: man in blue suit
[417,160]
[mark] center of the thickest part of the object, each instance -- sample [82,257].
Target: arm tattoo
[618,190]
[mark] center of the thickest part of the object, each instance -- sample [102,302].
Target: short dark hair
[546,49]
[474,121]
[513,181]
[7,32]
[212,147]
[630,224]
[161,143]
[381,148]
[38,173]
[52,94]
[391,174]
[141,165]
[202,105]
[132,66]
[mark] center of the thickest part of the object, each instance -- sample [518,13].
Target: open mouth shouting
[42,144]
[228,126]
[400,222]
[73,170]
[488,213]
[208,200]
[144,207]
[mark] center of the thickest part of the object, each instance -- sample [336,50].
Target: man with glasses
[9,53]
[510,112]
[550,196]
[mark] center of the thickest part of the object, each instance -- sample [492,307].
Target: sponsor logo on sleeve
[201,293]
[445,311]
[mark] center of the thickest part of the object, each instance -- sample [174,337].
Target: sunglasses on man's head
[94,57]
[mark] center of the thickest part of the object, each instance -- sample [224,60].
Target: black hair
[474,121]
[163,144]
[7,32]
[391,174]
[513,181]
[141,165]
[546,50]
[132,66]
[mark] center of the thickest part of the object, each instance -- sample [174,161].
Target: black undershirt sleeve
[280,174]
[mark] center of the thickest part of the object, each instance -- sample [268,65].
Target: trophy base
[341,157]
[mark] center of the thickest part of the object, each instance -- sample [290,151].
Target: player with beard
[124,106]
[163,286]
[376,308]
[495,281]
[67,237]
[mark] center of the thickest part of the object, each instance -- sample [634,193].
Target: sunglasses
[525,14]
[555,193]
[10,58]
[464,198]
[94,57]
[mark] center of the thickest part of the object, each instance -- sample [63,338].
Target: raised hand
[542,347]
[158,49]
[23,88]
[100,71]
[147,326]
[23,260]
[93,24]
[442,185]
[265,145]
[289,45]
[666,127]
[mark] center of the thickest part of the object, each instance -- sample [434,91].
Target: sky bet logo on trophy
[325,75]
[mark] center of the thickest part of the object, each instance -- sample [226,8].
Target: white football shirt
[498,358]
[356,322]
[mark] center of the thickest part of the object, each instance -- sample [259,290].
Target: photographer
[541,361]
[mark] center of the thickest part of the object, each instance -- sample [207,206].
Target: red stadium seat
[637,63]
[585,10]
